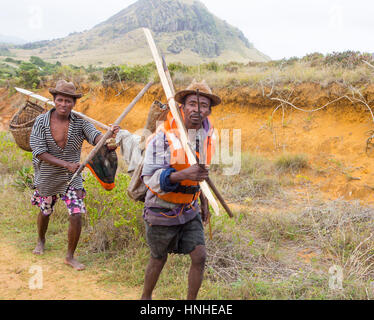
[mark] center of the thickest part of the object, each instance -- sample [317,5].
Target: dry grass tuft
[256,180]
[291,163]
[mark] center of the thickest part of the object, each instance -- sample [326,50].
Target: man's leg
[43,222]
[75,228]
[196,275]
[152,275]
[74,200]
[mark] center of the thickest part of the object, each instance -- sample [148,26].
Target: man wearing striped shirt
[56,141]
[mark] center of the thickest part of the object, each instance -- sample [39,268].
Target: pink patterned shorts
[73,200]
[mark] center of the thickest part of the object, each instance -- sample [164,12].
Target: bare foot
[39,249]
[74,264]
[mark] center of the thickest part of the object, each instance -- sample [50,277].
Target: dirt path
[59,282]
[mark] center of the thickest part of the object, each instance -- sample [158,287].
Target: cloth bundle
[133,147]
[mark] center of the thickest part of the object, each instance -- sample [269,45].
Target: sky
[278,28]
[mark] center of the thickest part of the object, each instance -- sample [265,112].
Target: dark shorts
[181,239]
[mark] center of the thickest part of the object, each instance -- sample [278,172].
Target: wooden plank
[52,104]
[174,110]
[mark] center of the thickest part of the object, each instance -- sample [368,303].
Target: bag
[137,190]
[104,167]
[22,122]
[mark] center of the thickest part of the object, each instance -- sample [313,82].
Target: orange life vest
[189,190]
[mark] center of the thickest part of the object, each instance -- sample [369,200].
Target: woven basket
[22,123]
[158,112]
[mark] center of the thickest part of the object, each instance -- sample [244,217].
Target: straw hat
[204,90]
[65,88]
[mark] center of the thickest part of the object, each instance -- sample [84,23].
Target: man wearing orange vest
[173,217]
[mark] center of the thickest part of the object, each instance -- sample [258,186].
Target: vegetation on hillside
[345,67]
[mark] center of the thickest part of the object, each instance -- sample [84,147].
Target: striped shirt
[52,180]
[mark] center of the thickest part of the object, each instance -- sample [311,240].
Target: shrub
[12,158]
[179,67]
[212,66]
[288,162]
[11,60]
[314,59]
[24,179]
[114,218]
[347,59]
[138,73]
[29,76]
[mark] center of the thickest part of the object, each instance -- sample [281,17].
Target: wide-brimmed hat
[204,90]
[65,88]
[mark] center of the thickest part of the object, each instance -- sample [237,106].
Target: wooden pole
[109,132]
[174,110]
[51,103]
[168,75]
[369,64]
[202,159]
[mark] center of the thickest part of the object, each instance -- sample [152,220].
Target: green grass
[253,256]
[12,158]
[345,68]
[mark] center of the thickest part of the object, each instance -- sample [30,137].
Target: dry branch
[369,64]
[361,100]
[309,111]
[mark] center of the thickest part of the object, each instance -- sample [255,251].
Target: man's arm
[157,163]
[46,157]
[111,145]
[72,167]
[195,173]
[204,203]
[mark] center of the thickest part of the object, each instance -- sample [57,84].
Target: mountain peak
[185,31]
[200,31]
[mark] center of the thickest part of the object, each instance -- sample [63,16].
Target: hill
[185,30]
[11,40]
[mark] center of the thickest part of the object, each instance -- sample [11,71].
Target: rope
[173,217]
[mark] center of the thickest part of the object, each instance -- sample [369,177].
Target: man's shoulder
[42,120]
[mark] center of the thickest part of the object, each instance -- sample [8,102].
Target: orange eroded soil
[334,139]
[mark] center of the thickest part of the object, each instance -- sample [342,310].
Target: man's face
[191,111]
[64,105]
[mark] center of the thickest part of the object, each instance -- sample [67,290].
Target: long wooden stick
[202,158]
[174,110]
[51,103]
[168,75]
[369,64]
[109,132]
